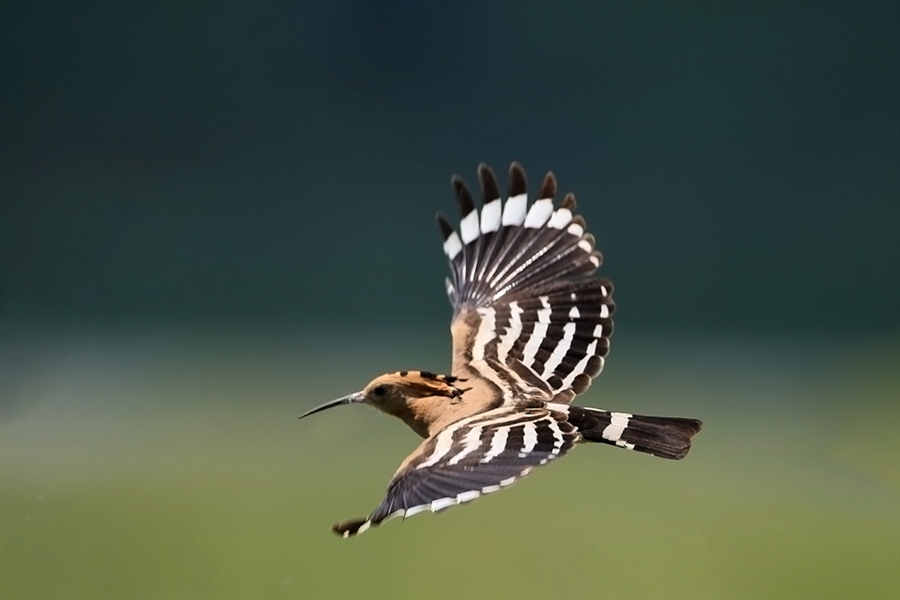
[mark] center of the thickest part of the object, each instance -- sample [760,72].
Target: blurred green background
[214,216]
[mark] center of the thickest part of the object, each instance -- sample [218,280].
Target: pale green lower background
[172,465]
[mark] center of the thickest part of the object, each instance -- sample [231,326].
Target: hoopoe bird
[530,331]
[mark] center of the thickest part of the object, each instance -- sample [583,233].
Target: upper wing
[477,455]
[526,315]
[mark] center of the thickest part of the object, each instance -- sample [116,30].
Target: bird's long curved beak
[351,399]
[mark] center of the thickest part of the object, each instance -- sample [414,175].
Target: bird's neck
[421,413]
[427,415]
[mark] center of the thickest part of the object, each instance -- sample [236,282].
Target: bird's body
[530,330]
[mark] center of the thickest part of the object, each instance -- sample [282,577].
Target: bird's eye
[380,391]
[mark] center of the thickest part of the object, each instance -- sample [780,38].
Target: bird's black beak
[351,399]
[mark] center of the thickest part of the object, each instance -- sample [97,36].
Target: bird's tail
[666,437]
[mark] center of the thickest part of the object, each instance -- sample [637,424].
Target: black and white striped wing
[530,316]
[475,456]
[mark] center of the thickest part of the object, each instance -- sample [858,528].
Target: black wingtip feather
[463,197]
[548,188]
[489,189]
[445,226]
[518,185]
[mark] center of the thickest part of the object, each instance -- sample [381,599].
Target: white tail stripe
[598,331]
[468,227]
[490,216]
[452,246]
[512,333]
[559,353]
[573,312]
[585,245]
[604,311]
[498,444]
[539,213]
[514,211]
[620,418]
[617,424]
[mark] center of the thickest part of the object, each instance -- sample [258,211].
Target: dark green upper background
[738,163]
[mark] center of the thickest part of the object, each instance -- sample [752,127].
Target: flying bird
[531,328]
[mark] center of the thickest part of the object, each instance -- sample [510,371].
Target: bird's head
[419,398]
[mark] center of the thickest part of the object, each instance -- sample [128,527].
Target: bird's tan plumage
[530,331]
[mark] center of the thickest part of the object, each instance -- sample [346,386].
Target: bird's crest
[423,383]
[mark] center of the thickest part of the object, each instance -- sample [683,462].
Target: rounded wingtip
[444,225]
[548,188]
[489,189]
[518,184]
[463,197]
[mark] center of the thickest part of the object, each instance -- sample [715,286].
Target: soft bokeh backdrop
[216,215]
